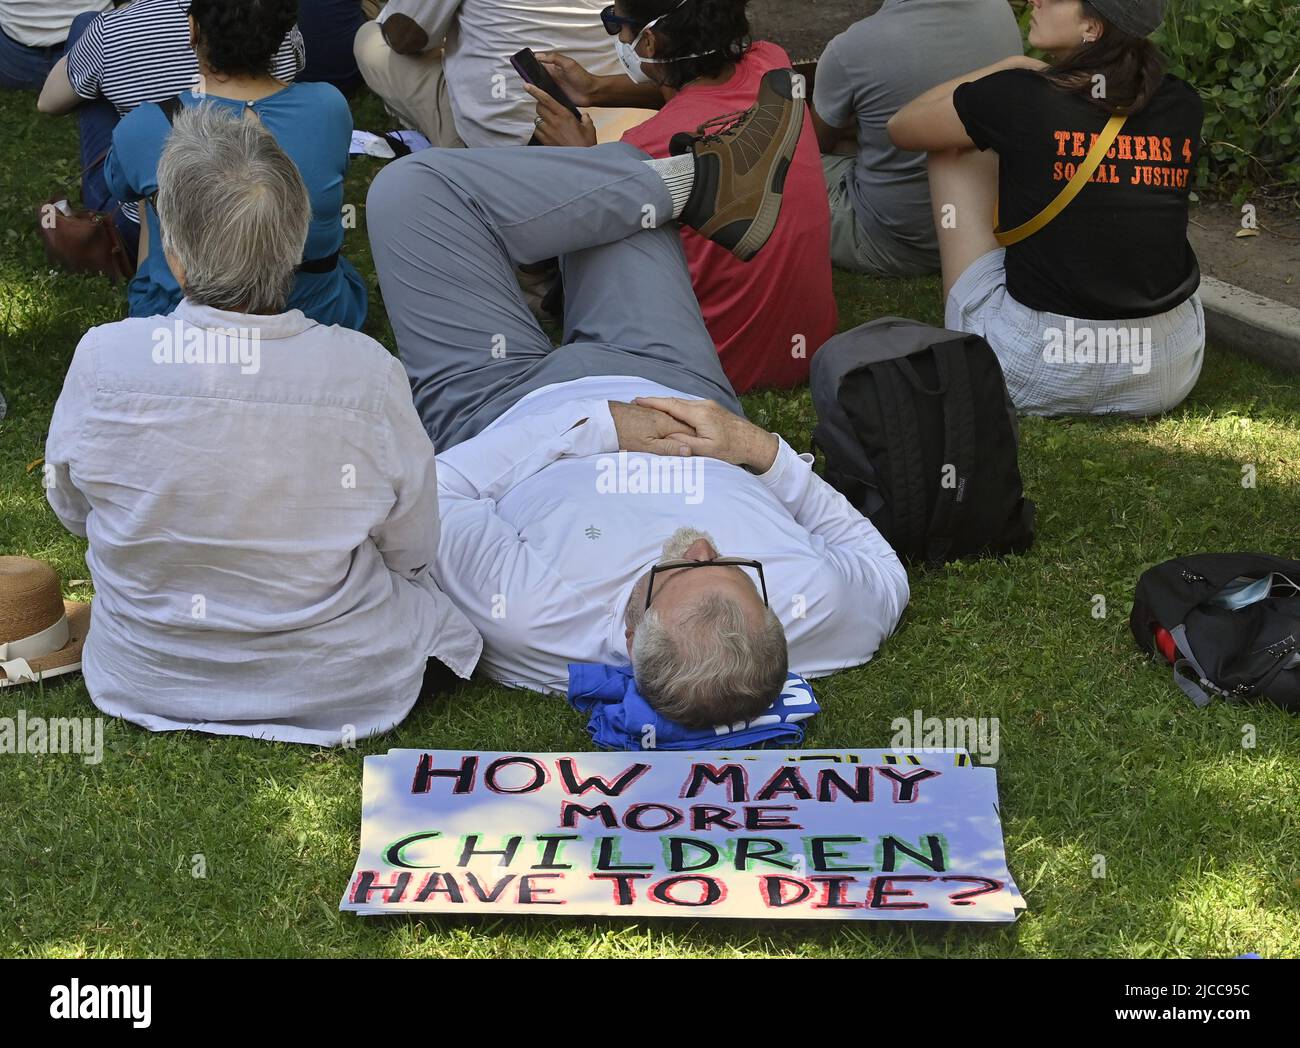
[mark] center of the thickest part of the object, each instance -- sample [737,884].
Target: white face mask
[632,61]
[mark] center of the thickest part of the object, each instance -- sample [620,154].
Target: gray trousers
[447,227]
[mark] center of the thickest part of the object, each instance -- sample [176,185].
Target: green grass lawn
[1101,754]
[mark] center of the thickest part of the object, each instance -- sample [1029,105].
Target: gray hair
[234,210]
[717,669]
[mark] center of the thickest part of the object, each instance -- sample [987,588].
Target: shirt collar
[278,325]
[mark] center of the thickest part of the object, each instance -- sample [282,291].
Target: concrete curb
[1254,326]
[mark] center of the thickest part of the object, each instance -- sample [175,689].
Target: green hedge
[1244,58]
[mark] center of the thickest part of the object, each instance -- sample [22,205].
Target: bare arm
[602,92]
[621,92]
[828,136]
[57,97]
[930,123]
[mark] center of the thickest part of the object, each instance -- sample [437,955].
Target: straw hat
[40,633]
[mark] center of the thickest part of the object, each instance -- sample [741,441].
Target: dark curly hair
[240,37]
[696,27]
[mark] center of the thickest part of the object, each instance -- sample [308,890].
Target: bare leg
[963,191]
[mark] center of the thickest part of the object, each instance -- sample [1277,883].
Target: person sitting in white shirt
[33,36]
[443,66]
[259,496]
[572,517]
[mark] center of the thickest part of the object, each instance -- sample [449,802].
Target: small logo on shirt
[182,343]
[625,474]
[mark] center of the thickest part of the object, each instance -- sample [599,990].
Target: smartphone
[527,66]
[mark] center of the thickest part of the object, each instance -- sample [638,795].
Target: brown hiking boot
[741,161]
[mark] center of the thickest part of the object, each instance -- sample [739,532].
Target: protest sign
[856,835]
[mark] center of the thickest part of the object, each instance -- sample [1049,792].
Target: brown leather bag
[83,241]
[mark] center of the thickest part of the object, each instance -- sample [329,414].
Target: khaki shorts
[853,248]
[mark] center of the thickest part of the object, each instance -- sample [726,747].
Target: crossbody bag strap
[170,108]
[1072,189]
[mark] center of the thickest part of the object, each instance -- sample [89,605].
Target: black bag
[920,435]
[1233,625]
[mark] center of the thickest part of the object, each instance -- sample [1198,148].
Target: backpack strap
[1189,686]
[903,445]
[170,107]
[1072,189]
[1195,685]
[1192,680]
[958,448]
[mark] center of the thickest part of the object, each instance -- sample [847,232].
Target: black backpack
[920,436]
[1233,621]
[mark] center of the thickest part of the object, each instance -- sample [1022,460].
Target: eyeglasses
[614,23]
[716,562]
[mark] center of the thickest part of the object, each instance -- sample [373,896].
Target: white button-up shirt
[260,531]
[547,528]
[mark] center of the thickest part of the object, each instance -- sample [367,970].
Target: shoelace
[704,134]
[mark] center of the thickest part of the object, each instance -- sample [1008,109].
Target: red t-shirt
[767,316]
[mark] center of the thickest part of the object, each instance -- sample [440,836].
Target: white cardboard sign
[830,835]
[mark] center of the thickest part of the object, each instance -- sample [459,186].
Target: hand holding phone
[531,71]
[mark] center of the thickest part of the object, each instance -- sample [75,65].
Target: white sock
[678,173]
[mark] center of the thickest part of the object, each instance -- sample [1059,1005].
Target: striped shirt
[141,53]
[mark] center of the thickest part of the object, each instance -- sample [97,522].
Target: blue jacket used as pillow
[622,720]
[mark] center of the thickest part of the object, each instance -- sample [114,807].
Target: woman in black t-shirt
[1097,312]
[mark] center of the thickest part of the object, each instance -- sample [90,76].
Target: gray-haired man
[259,495]
[573,519]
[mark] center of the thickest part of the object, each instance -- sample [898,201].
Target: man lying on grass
[257,489]
[578,527]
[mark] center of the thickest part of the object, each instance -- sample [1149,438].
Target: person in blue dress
[235,41]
